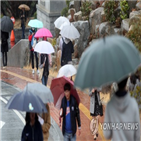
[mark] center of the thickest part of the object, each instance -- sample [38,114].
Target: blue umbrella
[35,23]
[26,101]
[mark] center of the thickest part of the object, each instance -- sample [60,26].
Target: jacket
[46,67]
[74,113]
[4,45]
[47,124]
[67,51]
[27,132]
[124,112]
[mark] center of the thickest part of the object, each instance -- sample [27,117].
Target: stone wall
[49,11]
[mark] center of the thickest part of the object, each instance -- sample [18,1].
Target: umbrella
[43,32]
[59,21]
[70,32]
[44,47]
[67,70]
[106,61]
[24,6]
[26,101]
[57,88]
[40,90]
[35,23]
[64,24]
[6,24]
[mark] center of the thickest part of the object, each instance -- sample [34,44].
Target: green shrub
[135,34]
[86,9]
[64,12]
[124,9]
[109,9]
[35,15]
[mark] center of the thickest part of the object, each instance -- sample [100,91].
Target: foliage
[35,15]
[137,95]
[10,8]
[54,42]
[86,8]
[135,34]
[109,8]
[64,12]
[124,9]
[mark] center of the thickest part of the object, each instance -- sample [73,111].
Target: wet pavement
[19,77]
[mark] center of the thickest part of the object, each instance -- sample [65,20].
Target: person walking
[46,125]
[67,49]
[30,47]
[32,130]
[33,43]
[44,64]
[96,110]
[23,20]
[123,112]
[4,47]
[70,113]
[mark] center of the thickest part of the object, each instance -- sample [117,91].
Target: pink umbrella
[57,89]
[43,32]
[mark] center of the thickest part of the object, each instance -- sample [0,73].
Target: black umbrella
[6,24]
[26,101]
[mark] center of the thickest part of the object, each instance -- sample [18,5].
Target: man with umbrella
[23,20]
[69,112]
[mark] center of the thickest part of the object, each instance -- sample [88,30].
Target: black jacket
[74,112]
[4,44]
[67,51]
[46,67]
[27,132]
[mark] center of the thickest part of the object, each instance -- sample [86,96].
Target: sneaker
[33,71]
[38,71]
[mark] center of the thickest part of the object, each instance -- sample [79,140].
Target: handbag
[40,73]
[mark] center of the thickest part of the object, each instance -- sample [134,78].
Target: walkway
[20,77]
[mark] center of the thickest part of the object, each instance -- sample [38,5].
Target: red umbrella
[57,89]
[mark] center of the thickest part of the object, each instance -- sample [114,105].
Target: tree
[10,8]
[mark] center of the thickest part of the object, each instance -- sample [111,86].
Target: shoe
[97,135]
[38,71]
[33,71]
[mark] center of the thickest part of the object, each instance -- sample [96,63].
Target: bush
[64,12]
[135,34]
[124,9]
[109,9]
[35,15]
[86,9]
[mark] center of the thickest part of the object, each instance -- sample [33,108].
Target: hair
[27,117]
[67,86]
[122,84]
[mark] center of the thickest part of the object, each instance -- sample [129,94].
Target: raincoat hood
[121,103]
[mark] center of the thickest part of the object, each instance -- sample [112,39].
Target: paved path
[20,77]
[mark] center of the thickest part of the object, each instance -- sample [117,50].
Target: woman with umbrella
[4,46]
[32,130]
[95,110]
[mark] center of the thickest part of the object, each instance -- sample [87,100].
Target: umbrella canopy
[26,7]
[59,21]
[40,90]
[64,24]
[67,70]
[6,24]
[35,23]
[44,47]
[106,61]
[43,32]
[57,88]
[26,101]
[70,32]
